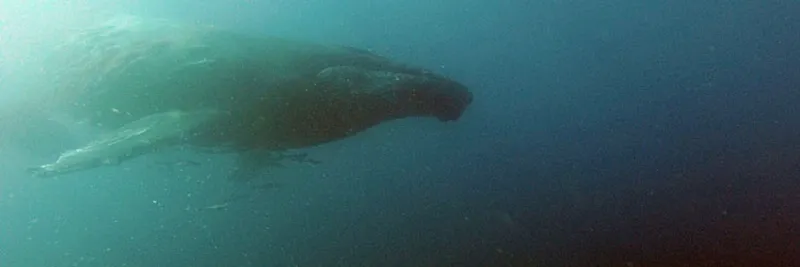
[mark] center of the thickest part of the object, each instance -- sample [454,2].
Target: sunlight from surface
[26,28]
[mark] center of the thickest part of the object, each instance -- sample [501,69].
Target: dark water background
[604,133]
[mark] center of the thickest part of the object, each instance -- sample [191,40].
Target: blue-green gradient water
[603,133]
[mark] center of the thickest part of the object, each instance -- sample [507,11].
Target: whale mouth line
[448,108]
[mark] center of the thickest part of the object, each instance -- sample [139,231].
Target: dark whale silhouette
[150,84]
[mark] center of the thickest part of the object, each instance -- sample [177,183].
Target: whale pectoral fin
[131,140]
[40,171]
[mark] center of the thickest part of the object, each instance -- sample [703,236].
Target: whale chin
[438,97]
[408,92]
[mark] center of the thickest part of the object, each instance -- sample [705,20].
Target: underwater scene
[260,133]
